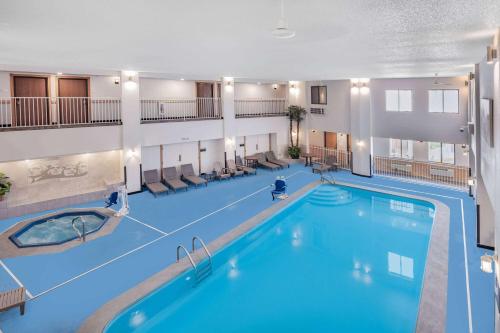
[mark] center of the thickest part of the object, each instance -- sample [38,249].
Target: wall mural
[56,169]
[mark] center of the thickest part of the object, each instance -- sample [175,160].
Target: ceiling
[209,39]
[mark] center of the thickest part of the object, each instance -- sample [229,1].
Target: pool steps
[330,196]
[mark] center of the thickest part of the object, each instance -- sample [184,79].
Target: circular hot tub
[58,229]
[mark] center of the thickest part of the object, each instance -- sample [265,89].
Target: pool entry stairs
[200,260]
[330,196]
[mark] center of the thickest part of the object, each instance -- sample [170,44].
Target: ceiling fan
[281,31]
[437,82]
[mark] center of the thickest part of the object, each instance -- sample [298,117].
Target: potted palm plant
[5,185]
[295,114]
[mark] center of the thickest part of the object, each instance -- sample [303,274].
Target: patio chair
[329,165]
[12,299]
[246,169]
[153,182]
[172,179]
[263,163]
[279,188]
[220,172]
[234,169]
[188,175]
[272,158]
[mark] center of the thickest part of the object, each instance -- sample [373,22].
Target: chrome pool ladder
[81,234]
[326,179]
[201,270]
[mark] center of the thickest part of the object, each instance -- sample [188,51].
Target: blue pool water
[337,260]
[57,229]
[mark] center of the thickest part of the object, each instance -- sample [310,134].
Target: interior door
[31,101]
[205,104]
[74,103]
[331,140]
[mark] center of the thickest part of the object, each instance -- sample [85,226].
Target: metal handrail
[326,179]
[188,255]
[81,234]
[209,255]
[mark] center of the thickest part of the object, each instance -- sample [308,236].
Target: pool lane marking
[99,266]
[14,277]
[149,243]
[227,206]
[464,238]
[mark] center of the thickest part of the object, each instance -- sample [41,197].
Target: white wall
[257,143]
[316,138]
[418,124]
[256,126]
[23,145]
[337,110]
[104,86]
[161,88]
[257,91]
[175,132]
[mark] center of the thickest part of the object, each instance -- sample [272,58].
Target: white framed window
[443,101]
[441,152]
[399,100]
[401,148]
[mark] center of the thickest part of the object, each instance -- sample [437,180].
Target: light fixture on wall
[360,143]
[294,88]
[488,262]
[354,86]
[364,89]
[131,79]
[117,80]
[132,153]
[275,86]
[491,54]
[471,181]
[228,82]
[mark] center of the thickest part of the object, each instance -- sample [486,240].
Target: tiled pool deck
[68,287]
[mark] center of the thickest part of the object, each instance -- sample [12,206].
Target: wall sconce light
[354,86]
[360,143]
[471,181]
[228,83]
[229,142]
[491,54]
[275,86]
[130,83]
[117,80]
[487,262]
[293,88]
[294,133]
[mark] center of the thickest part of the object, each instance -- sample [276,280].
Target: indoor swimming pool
[336,255]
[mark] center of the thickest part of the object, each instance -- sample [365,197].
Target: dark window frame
[317,95]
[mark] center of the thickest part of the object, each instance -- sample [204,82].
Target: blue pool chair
[279,188]
[112,200]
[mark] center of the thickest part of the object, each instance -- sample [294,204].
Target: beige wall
[57,177]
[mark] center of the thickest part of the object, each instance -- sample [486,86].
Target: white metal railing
[342,157]
[440,173]
[260,107]
[167,109]
[35,112]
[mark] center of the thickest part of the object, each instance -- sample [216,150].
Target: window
[441,152]
[318,95]
[398,100]
[401,148]
[443,101]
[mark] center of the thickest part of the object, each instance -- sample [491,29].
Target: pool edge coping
[431,315]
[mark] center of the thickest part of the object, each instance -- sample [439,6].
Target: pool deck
[68,287]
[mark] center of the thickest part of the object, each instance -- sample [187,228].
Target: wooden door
[31,102]
[331,140]
[73,101]
[349,142]
[205,104]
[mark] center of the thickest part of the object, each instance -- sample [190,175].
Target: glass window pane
[394,148]
[435,101]
[451,101]
[314,95]
[448,153]
[391,100]
[322,95]
[434,153]
[405,100]
[407,149]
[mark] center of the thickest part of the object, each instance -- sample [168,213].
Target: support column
[228,112]
[131,130]
[361,127]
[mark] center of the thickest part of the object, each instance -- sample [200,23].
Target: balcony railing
[440,173]
[342,157]
[246,108]
[54,112]
[161,110]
